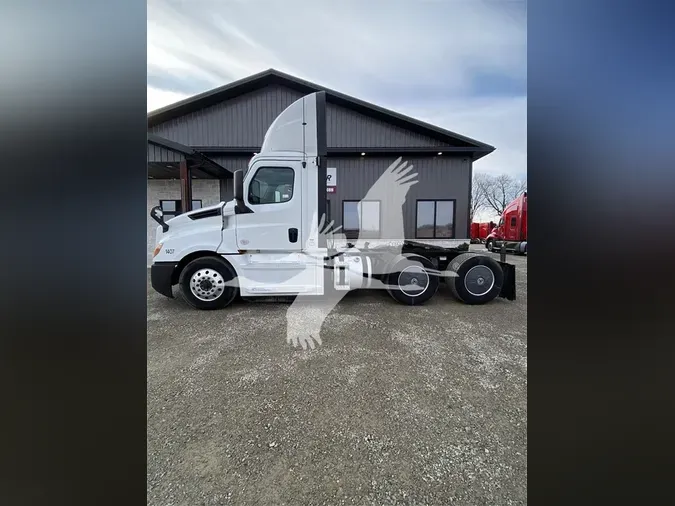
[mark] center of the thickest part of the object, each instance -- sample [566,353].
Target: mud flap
[509,285]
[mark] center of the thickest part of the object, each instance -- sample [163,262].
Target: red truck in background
[475,230]
[480,231]
[484,230]
[511,229]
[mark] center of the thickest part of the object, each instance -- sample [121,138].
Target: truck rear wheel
[208,283]
[411,280]
[476,279]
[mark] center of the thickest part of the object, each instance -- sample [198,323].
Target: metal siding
[243,121]
[240,122]
[160,154]
[350,129]
[440,177]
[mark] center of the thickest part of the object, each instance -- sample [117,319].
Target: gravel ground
[399,405]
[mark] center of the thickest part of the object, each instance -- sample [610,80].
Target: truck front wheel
[411,280]
[489,244]
[474,278]
[208,283]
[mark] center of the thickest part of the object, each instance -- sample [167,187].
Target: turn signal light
[157,248]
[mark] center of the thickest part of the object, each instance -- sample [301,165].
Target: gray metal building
[195,145]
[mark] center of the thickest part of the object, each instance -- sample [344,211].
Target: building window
[361,218]
[435,219]
[271,185]
[175,207]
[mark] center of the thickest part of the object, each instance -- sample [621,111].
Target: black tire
[478,279]
[405,270]
[215,272]
[489,244]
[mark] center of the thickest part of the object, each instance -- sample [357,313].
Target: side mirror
[157,214]
[240,207]
[239,186]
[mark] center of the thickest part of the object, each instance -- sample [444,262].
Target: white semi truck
[270,240]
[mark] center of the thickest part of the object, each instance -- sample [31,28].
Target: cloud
[499,121]
[158,98]
[458,64]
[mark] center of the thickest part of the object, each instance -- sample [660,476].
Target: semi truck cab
[511,231]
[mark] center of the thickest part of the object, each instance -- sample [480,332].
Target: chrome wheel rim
[207,284]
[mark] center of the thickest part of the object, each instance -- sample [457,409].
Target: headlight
[157,249]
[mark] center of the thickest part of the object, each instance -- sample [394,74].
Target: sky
[458,64]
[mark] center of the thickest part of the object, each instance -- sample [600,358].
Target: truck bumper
[161,275]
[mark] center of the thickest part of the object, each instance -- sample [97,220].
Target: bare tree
[477,199]
[498,191]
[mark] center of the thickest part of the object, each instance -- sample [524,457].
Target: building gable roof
[272,76]
[181,152]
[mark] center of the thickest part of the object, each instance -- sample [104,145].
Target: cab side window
[271,185]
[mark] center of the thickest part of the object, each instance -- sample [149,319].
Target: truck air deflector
[322,162]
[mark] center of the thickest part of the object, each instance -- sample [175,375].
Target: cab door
[273,193]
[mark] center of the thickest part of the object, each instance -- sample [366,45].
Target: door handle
[293,234]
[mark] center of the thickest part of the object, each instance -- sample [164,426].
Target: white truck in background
[270,239]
